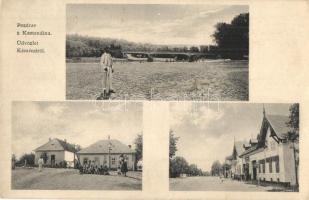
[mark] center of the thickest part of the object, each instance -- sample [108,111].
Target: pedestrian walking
[40,162]
[124,168]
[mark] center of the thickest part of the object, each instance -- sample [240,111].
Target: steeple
[264,113]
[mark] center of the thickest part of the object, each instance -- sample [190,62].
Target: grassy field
[213,80]
[70,179]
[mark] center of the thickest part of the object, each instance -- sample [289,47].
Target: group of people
[92,168]
[123,165]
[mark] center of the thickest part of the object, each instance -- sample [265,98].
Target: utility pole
[109,153]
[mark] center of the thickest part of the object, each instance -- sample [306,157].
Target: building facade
[272,158]
[55,152]
[234,162]
[107,153]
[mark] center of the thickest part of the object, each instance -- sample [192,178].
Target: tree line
[84,46]
[231,41]
[179,165]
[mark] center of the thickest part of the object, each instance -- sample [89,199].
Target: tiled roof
[279,124]
[251,149]
[56,145]
[103,145]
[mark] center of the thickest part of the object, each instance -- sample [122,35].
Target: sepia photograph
[157,52]
[243,147]
[76,146]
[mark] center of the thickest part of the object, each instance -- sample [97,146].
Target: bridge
[167,53]
[143,55]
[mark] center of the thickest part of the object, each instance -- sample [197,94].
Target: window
[96,160]
[85,160]
[277,164]
[105,159]
[113,160]
[262,162]
[270,166]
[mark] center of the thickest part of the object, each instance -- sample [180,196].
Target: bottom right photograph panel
[234,147]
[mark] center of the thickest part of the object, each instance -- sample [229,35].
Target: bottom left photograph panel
[76,145]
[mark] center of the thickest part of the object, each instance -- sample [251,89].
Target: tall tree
[216,168]
[178,165]
[293,122]
[293,135]
[139,147]
[233,39]
[173,144]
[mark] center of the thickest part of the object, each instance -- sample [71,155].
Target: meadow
[209,80]
[70,179]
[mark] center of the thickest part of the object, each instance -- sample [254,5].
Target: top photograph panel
[157,52]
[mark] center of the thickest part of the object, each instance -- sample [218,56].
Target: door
[254,169]
[52,160]
[246,171]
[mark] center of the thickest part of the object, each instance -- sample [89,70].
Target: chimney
[129,146]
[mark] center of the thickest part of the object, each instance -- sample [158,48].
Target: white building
[56,151]
[107,152]
[235,162]
[272,157]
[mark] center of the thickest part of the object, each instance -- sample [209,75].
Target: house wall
[236,168]
[103,159]
[59,156]
[239,170]
[289,163]
[69,158]
[286,172]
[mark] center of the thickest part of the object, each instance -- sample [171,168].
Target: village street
[70,179]
[210,183]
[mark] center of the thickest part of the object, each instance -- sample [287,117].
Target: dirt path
[212,184]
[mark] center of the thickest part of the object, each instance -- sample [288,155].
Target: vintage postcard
[157,52]
[177,99]
[56,145]
[234,147]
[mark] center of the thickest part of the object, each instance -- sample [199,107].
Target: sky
[80,123]
[206,133]
[150,23]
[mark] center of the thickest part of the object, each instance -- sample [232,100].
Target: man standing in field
[106,63]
